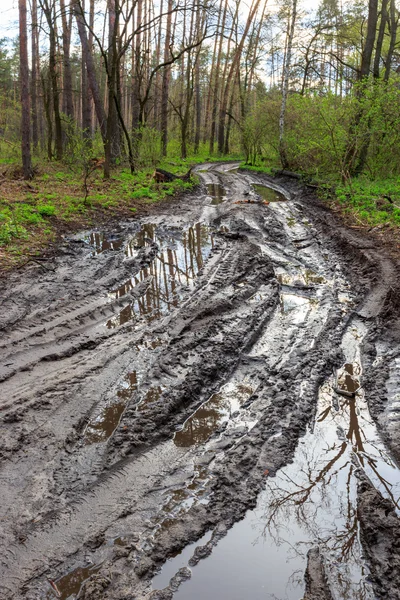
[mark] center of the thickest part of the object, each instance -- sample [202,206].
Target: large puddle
[156,289]
[310,502]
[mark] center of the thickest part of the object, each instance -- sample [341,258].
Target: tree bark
[366,56]
[91,72]
[34,82]
[379,41]
[393,34]
[24,85]
[231,76]
[165,81]
[66,41]
[216,80]
[50,18]
[285,88]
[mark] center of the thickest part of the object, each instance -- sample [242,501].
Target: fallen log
[286,173]
[161,176]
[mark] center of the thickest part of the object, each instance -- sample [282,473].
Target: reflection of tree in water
[104,425]
[318,490]
[152,395]
[204,422]
[209,416]
[102,242]
[177,263]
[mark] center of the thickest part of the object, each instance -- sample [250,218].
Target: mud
[179,387]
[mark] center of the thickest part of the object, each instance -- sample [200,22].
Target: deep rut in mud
[207,394]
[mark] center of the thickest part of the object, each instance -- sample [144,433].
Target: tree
[24,83]
[285,83]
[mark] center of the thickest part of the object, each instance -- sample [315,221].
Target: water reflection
[217,192]
[210,415]
[268,193]
[69,585]
[103,241]
[103,425]
[318,491]
[180,257]
[312,501]
[300,277]
[152,395]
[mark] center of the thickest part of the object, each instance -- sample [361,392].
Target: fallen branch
[161,176]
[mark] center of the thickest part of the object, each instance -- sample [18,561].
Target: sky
[9,15]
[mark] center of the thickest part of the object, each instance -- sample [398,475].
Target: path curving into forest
[216,386]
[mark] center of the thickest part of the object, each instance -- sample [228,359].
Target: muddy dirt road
[204,403]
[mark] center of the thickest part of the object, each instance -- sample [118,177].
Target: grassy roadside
[369,203]
[34,214]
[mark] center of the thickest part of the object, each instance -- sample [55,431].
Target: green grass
[368,200]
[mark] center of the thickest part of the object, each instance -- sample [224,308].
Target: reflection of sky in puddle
[299,276]
[161,580]
[103,241]
[69,585]
[297,306]
[180,257]
[311,501]
[102,426]
[210,415]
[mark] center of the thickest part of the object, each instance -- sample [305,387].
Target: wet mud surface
[204,403]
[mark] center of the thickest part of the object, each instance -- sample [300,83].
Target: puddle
[181,560]
[268,193]
[348,378]
[213,413]
[152,395]
[69,585]
[311,501]
[102,241]
[217,192]
[180,257]
[103,425]
[302,277]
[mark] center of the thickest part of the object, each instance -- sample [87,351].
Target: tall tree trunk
[231,76]
[366,56]
[355,158]
[66,40]
[393,34]
[379,41]
[34,82]
[285,87]
[111,81]
[157,85]
[48,10]
[137,69]
[91,72]
[217,76]
[24,84]
[85,100]
[165,81]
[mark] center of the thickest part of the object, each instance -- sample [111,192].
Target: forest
[96,90]
[200,300]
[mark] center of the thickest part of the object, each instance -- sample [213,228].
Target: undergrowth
[33,214]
